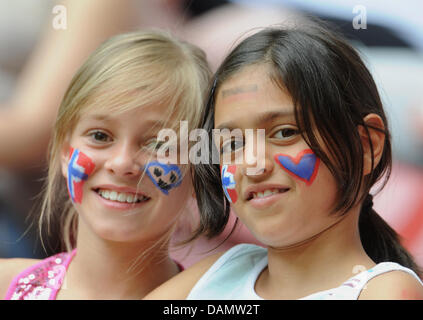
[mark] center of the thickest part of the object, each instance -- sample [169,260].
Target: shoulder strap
[359,282]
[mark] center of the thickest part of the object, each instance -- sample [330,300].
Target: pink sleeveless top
[41,281]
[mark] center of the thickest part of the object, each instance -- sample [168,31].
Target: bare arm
[395,285]
[178,287]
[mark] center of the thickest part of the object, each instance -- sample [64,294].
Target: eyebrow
[262,118]
[153,123]
[98,117]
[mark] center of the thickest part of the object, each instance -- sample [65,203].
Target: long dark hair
[332,91]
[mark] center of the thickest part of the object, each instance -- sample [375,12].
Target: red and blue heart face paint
[304,166]
[164,176]
[79,168]
[228,182]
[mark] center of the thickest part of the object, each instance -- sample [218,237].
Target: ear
[64,158]
[377,138]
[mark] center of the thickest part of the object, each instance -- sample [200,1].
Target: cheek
[322,194]
[304,166]
[228,182]
[80,167]
[170,206]
[164,176]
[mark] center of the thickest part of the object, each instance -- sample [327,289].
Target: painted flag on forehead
[228,182]
[79,168]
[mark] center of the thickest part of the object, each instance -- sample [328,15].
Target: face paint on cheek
[228,182]
[304,166]
[164,176]
[80,167]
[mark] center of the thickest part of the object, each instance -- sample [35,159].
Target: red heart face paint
[228,182]
[79,168]
[304,166]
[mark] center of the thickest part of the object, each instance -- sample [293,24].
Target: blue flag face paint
[79,168]
[228,182]
[304,166]
[164,176]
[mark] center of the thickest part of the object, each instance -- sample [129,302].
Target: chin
[116,236]
[275,234]
[117,232]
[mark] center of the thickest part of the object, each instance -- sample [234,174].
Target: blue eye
[286,133]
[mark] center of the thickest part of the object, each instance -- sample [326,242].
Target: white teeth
[121,196]
[265,193]
[113,195]
[130,198]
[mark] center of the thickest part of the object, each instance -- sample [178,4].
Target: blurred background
[45,41]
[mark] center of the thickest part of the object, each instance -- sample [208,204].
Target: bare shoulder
[9,268]
[394,285]
[178,287]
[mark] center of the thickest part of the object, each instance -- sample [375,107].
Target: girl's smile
[262,196]
[121,198]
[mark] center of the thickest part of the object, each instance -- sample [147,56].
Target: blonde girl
[116,203]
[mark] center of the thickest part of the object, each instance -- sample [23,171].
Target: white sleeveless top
[234,274]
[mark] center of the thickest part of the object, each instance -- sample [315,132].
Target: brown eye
[99,136]
[286,133]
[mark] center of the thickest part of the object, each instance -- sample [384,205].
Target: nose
[258,171]
[123,161]
[258,163]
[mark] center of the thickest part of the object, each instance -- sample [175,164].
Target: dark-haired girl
[326,144]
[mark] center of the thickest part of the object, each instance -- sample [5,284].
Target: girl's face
[290,200]
[103,163]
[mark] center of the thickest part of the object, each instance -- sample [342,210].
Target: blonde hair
[126,72]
